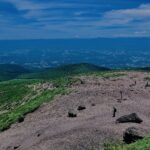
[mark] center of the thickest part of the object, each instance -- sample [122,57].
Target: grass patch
[13,116]
[147,78]
[13,93]
[18,98]
[105,74]
[139,145]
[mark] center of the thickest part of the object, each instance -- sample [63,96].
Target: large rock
[134,118]
[133,134]
[72,114]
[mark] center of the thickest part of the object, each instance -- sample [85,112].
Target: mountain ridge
[65,70]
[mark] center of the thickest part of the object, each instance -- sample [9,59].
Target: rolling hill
[66,70]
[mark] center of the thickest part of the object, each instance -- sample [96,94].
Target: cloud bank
[25,19]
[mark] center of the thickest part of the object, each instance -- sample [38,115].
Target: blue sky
[37,19]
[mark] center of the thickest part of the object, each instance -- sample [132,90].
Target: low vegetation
[19,97]
[147,79]
[139,145]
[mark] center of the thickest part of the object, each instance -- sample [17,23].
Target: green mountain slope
[9,71]
[20,97]
[67,70]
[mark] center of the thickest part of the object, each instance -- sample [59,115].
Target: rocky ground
[50,128]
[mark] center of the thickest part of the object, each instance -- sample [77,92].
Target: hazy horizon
[112,52]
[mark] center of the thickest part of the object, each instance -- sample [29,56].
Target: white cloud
[45,19]
[128,15]
[30,5]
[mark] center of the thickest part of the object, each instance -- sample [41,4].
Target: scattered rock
[81,107]
[132,134]
[125,99]
[16,147]
[82,82]
[93,104]
[119,100]
[21,119]
[38,135]
[72,114]
[79,82]
[134,84]
[134,118]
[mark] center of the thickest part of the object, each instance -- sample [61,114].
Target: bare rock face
[133,134]
[133,118]
[81,107]
[72,114]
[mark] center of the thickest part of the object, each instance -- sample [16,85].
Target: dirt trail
[49,128]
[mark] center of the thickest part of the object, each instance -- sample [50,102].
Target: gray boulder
[133,134]
[133,118]
[72,114]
